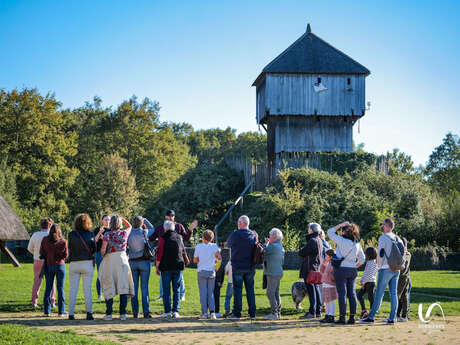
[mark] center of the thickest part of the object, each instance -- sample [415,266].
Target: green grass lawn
[18,334]
[428,287]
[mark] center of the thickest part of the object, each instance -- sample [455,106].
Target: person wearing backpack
[390,260]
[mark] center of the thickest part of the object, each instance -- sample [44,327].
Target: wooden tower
[309,98]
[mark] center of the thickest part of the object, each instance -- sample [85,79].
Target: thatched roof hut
[11,229]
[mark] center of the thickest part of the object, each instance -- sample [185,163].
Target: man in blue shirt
[242,242]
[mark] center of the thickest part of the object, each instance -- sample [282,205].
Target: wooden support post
[9,255]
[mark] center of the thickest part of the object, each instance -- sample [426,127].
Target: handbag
[89,251]
[258,254]
[149,253]
[314,277]
[184,254]
[336,261]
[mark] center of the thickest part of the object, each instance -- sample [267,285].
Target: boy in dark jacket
[220,275]
[404,284]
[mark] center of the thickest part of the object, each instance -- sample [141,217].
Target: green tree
[400,162]
[114,188]
[36,148]
[443,168]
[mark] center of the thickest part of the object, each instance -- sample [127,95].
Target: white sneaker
[64,314]
[183,298]
[218,315]
[175,315]
[108,317]
[271,317]
[34,305]
[213,316]
[166,315]
[100,298]
[158,299]
[402,319]
[204,316]
[123,317]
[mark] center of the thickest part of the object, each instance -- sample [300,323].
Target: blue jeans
[140,269]
[386,277]
[52,271]
[228,296]
[123,304]
[314,295]
[345,279]
[98,258]
[246,277]
[169,278]
[181,289]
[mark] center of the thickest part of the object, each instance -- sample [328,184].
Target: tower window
[348,81]
[319,80]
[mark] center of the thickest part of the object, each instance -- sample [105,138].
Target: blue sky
[199,58]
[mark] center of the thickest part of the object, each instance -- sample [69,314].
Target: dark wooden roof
[11,228]
[312,55]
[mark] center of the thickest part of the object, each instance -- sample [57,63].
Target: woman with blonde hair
[115,272]
[81,257]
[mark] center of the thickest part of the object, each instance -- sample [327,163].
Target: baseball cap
[170,213]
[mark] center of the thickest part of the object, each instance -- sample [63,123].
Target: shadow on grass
[436,293]
[192,325]
[12,307]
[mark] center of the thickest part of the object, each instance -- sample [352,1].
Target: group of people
[122,254]
[339,270]
[117,249]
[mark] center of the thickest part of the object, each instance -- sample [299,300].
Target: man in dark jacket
[186,234]
[242,243]
[170,262]
[311,259]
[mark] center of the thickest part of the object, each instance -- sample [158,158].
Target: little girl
[229,292]
[206,254]
[368,280]
[329,290]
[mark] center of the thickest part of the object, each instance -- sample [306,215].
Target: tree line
[59,162]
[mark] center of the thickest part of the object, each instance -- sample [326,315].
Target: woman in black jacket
[81,257]
[311,259]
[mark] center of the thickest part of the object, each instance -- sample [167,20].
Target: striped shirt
[370,272]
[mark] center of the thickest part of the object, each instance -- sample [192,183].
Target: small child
[368,280]
[404,285]
[329,290]
[206,254]
[229,292]
[220,275]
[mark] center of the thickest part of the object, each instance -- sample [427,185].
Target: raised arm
[150,228]
[333,235]
[127,226]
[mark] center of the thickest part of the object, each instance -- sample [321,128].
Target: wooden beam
[9,255]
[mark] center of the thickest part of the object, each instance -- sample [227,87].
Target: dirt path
[288,331]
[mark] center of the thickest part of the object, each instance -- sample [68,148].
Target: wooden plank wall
[293,94]
[311,134]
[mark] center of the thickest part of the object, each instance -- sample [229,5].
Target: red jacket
[55,252]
